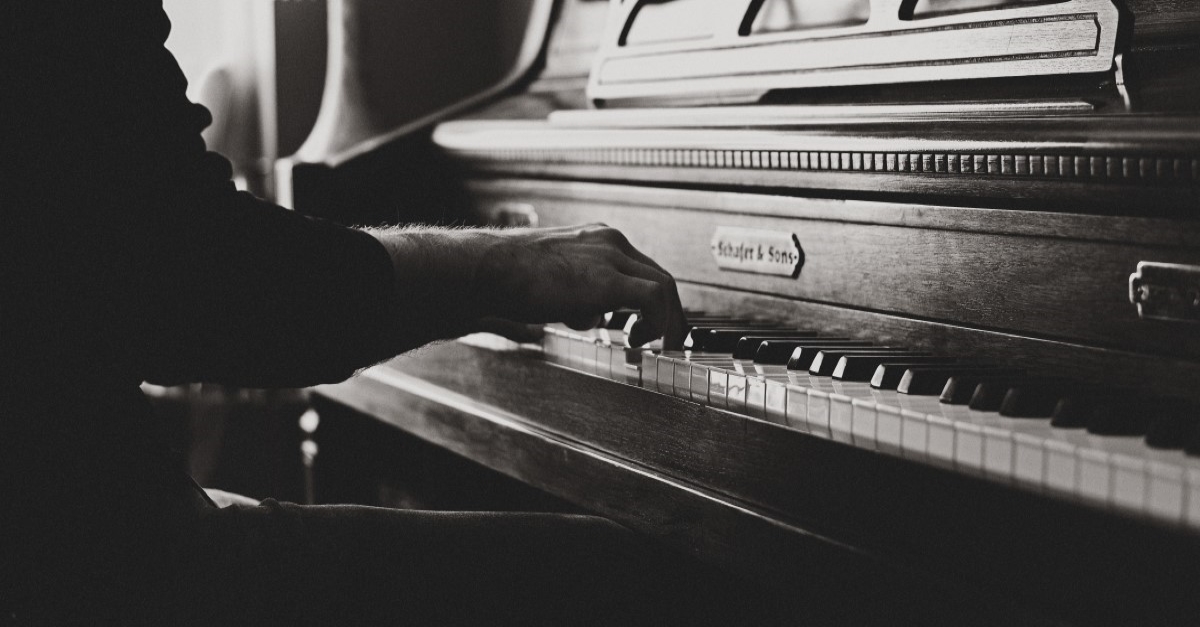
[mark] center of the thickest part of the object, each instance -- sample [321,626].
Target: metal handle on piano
[1166,291]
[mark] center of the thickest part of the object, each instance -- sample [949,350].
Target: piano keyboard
[1135,456]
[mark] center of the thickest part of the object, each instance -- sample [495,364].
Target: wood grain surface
[760,499]
[1053,280]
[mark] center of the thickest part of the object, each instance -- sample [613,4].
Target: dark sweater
[126,253]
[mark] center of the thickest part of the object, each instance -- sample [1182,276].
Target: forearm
[453,281]
[436,272]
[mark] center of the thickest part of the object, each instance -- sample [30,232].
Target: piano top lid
[724,51]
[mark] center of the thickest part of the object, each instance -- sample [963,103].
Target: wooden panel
[1101,228]
[805,575]
[1046,286]
[982,535]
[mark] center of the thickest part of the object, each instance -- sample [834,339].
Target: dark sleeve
[239,291]
[125,240]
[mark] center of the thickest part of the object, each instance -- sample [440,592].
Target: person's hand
[574,275]
[505,280]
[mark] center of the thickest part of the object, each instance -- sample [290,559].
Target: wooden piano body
[985,207]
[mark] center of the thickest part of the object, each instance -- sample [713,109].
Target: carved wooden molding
[1118,168]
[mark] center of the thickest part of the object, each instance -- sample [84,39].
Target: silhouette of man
[128,256]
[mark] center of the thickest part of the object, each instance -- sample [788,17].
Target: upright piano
[943,264]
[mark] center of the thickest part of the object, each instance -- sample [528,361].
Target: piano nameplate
[758,251]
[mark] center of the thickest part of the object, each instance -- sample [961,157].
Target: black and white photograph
[600,313]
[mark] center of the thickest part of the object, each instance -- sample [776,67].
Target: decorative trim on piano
[1180,170]
[725,57]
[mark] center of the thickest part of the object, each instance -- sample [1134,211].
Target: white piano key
[665,378]
[841,418]
[1095,476]
[1130,482]
[940,441]
[557,347]
[819,405]
[718,387]
[818,413]
[604,359]
[1165,496]
[735,392]
[756,397]
[914,434]
[797,407]
[1062,467]
[887,429]
[981,441]
[968,447]
[998,453]
[776,399]
[1127,465]
[564,347]
[1192,494]
[862,423]
[576,351]
[649,371]
[616,363]
[588,354]
[630,373]
[919,404]
[841,409]
[1029,460]
[682,378]
[698,382]
[699,373]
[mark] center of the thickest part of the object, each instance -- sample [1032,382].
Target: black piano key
[699,335]
[932,381]
[888,375]
[803,357]
[615,320]
[747,346]
[726,340]
[862,367]
[1172,425]
[1035,398]
[1122,414]
[698,331]
[779,351]
[1073,410]
[989,393]
[961,387]
[693,324]
[826,360]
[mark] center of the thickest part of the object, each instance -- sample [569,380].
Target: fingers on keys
[642,284]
